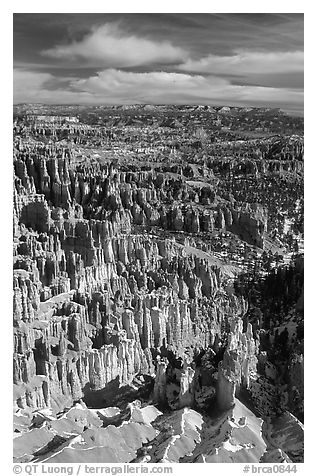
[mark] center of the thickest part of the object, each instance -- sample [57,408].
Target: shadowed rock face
[120,295]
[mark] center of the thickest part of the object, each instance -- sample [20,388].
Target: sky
[237,59]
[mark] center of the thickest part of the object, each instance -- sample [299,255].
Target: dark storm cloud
[160,57]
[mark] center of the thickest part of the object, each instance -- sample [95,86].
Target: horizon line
[289,112]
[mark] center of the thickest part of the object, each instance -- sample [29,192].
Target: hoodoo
[158,309]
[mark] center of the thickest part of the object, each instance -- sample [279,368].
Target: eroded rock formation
[120,295]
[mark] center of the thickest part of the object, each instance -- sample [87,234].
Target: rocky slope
[130,343]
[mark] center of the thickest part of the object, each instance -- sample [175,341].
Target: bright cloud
[28,81]
[165,87]
[108,46]
[247,62]
[140,85]
[113,86]
[32,86]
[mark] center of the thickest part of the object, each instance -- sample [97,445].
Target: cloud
[113,86]
[134,85]
[37,87]
[108,46]
[247,63]
[28,83]
[162,87]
